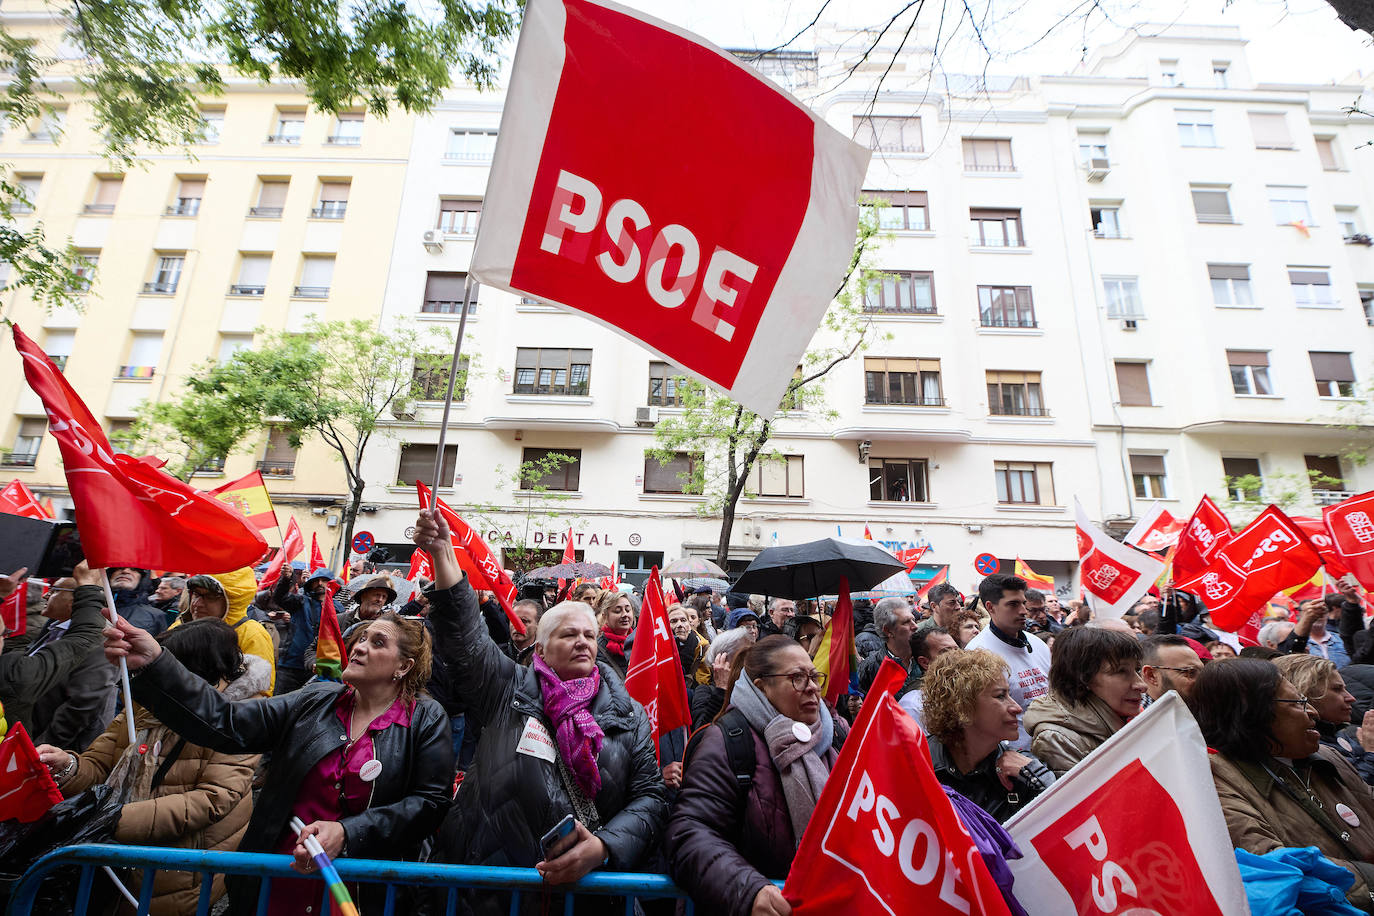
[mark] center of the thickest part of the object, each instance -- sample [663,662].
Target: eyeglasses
[54,588]
[1303,702]
[800,680]
[1189,673]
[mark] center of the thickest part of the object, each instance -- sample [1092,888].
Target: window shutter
[273,194]
[279,447]
[1240,467]
[1212,205]
[1314,277]
[1147,464]
[59,343]
[317,272]
[444,287]
[334,192]
[993,214]
[107,191]
[1270,130]
[663,478]
[192,188]
[1332,367]
[1325,465]
[1228,271]
[253,269]
[1133,383]
[32,428]
[417,463]
[1247,357]
[1327,154]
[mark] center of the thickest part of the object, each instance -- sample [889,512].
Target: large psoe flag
[649,180]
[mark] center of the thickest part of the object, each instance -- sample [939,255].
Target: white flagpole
[123,663]
[448,395]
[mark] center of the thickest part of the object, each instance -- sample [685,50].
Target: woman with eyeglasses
[752,780]
[1278,786]
[1318,680]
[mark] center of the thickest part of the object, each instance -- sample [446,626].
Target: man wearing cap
[305,608]
[371,598]
[746,619]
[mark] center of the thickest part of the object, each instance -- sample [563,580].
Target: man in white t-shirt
[1004,597]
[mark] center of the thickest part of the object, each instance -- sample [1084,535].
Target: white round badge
[157,748]
[1347,815]
[371,770]
[800,731]
[1344,742]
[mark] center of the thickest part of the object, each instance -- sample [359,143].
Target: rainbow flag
[330,660]
[249,495]
[338,891]
[1033,578]
[939,578]
[834,656]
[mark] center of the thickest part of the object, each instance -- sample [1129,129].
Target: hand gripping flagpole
[123,662]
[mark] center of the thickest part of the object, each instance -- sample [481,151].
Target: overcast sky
[1298,41]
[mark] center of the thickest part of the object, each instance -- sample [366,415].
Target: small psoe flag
[1113,575]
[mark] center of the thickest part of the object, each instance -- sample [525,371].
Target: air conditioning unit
[646,416]
[1129,324]
[1098,169]
[434,240]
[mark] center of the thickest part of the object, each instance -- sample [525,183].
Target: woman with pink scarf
[559,738]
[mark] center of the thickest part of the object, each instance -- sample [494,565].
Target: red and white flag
[1320,536]
[1350,523]
[1268,555]
[884,838]
[1132,829]
[18,499]
[1157,530]
[476,559]
[911,556]
[653,182]
[654,676]
[316,558]
[130,512]
[1113,575]
[27,789]
[421,566]
[14,611]
[1207,531]
[291,546]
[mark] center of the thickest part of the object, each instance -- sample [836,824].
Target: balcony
[141,373]
[905,402]
[447,307]
[13,459]
[575,389]
[310,292]
[329,209]
[185,206]
[286,139]
[246,289]
[1008,410]
[1329,497]
[265,212]
[341,140]
[160,287]
[994,167]
[98,209]
[209,468]
[999,321]
[277,468]
[880,310]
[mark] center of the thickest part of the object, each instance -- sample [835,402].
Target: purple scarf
[993,842]
[579,737]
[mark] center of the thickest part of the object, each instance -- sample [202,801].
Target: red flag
[911,556]
[836,647]
[17,499]
[420,566]
[1157,530]
[868,535]
[14,615]
[129,512]
[477,560]
[316,558]
[940,578]
[569,555]
[1315,529]
[725,268]
[291,547]
[1207,531]
[884,837]
[27,789]
[1112,573]
[1351,528]
[1267,556]
[654,676]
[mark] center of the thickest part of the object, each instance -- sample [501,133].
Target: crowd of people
[454,738]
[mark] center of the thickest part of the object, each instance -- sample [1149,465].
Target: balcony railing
[999,321]
[247,289]
[99,209]
[1329,497]
[1003,410]
[446,307]
[340,140]
[277,468]
[311,292]
[185,206]
[136,372]
[289,139]
[209,466]
[18,459]
[265,212]
[160,287]
[329,209]
[892,310]
[994,167]
[577,388]
[906,402]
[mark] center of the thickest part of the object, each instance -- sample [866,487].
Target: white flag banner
[1156,529]
[1113,575]
[1134,830]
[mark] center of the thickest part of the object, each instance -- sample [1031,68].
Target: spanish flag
[940,578]
[249,496]
[330,660]
[1309,590]
[835,653]
[1033,578]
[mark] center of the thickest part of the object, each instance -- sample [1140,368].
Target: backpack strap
[739,747]
[167,762]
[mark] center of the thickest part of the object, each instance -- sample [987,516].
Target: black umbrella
[570,571]
[809,570]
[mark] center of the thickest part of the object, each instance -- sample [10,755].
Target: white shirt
[1030,671]
[915,704]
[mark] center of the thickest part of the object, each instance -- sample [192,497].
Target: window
[333,200]
[1123,297]
[252,280]
[212,125]
[26,442]
[1212,205]
[1326,153]
[1195,127]
[1367,303]
[1133,384]
[898,480]
[290,126]
[50,125]
[317,274]
[144,351]
[106,195]
[27,199]
[1148,477]
[1270,129]
[470,145]
[996,228]
[552,371]
[1106,220]
[901,292]
[1311,288]
[187,201]
[889,134]
[907,211]
[1230,284]
[1243,478]
[778,476]
[679,475]
[279,458]
[271,198]
[1219,74]
[1092,147]
[1024,483]
[1006,307]
[1015,394]
[987,155]
[58,346]
[1168,72]
[913,382]
[1325,477]
[1289,205]
[429,377]
[88,260]
[554,468]
[664,385]
[417,463]
[1249,371]
[444,293]
[229,344]
[1334,373]
[348,130]
[167,274]
[1348,218]
[459,217]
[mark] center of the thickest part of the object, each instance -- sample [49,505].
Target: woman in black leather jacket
[970,715]
[540,758]
[367,764]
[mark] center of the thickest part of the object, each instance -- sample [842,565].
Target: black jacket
[1359,642]
[618,663]
[509,798]
[983,788]
[409,797]
[707,702]
[869,665]
[25,678]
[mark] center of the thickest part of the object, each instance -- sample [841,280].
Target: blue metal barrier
[390,875]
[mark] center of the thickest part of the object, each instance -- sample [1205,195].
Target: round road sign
[986,564]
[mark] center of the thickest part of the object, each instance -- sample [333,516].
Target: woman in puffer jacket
[178,794]
[227,597]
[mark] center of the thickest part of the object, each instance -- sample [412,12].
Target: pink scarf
[579,738]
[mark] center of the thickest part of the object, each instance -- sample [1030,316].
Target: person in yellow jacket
[227,596]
